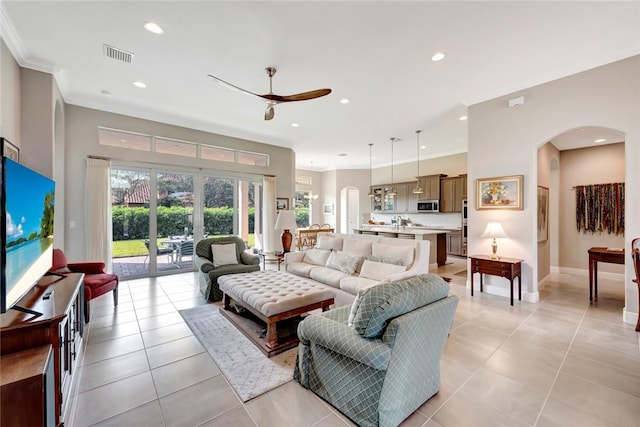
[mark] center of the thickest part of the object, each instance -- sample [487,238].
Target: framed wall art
[282,203]
[504,192]
[543,214]
[327,208]
[9,150]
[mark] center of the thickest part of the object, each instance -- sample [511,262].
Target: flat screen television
[27,200]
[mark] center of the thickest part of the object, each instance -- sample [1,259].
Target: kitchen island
[437,237]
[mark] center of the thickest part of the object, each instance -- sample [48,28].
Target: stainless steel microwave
[428,206]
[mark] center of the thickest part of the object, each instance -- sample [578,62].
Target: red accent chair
[96,281]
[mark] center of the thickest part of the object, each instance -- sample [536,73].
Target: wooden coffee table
[272,298]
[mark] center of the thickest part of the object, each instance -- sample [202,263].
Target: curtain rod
[586,185]
[91,156]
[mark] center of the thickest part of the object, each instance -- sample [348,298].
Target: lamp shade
[494,229]
[286,220]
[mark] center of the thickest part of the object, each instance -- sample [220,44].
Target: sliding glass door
[159,215]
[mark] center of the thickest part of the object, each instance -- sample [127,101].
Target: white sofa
[350,262]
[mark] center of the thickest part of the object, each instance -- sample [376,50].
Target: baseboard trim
[629,316]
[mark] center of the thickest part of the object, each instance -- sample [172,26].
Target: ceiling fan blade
[231,86]
[270,112]
[297,97]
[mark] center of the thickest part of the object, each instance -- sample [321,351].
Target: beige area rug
[246,369]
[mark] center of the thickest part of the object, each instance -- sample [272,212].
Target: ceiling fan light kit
[271,98]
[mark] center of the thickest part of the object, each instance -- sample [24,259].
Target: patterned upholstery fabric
[376,381]
[208,274]
[388,300]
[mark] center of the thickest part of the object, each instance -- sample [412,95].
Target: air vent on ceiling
[117,54]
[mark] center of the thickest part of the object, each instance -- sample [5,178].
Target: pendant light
[393,191]
[371,193]
[418,189]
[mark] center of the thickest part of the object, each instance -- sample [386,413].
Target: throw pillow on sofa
[316,256]
[331,243]
[343,262]
[379,270]
[385,260]
[357,246]
[402,253]
[224,254]
[381,303]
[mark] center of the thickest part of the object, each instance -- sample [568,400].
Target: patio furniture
[165,250]
[184,249]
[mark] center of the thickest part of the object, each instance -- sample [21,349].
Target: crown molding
[15,45]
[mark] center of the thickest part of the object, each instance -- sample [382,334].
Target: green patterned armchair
[210,267]
[379,360]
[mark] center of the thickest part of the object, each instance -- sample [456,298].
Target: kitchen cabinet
[464,186]
[382,200]
[406,200]
[454,243]
[403,202]
[451,194]
[431,186]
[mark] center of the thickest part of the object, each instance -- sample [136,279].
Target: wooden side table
[509,268]
[601,255]
[272,257]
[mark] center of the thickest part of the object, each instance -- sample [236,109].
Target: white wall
[10,99]
[82,140]
[504,141]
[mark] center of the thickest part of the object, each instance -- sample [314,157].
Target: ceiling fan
[271,98]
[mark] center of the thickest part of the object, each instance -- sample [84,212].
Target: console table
[61,302]
[601,255]
[509,268]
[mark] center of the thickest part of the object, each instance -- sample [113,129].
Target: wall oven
[428,206]
[464,227]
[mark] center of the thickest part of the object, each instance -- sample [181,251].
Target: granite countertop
[401,230]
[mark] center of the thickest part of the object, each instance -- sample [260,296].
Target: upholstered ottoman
[273,296]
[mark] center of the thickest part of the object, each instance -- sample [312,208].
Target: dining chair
[184,249]
[164,250]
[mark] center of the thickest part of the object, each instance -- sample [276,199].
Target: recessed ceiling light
[294,125]
[139,84]
[438,57]
[423,147]
[600,140]
[105,92]
[344,101]
[462,118]
[342,155]
[153,28]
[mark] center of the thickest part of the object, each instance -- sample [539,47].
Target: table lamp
[494,230]
[286,221]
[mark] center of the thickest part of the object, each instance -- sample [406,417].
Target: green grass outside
[125,248]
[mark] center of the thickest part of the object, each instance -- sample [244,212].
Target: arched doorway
[349,209]
[584,156]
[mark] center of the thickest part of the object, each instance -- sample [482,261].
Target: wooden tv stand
[61,302]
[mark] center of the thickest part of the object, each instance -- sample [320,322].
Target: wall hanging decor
[600,208]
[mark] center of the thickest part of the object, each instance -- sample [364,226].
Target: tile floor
[556,363]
